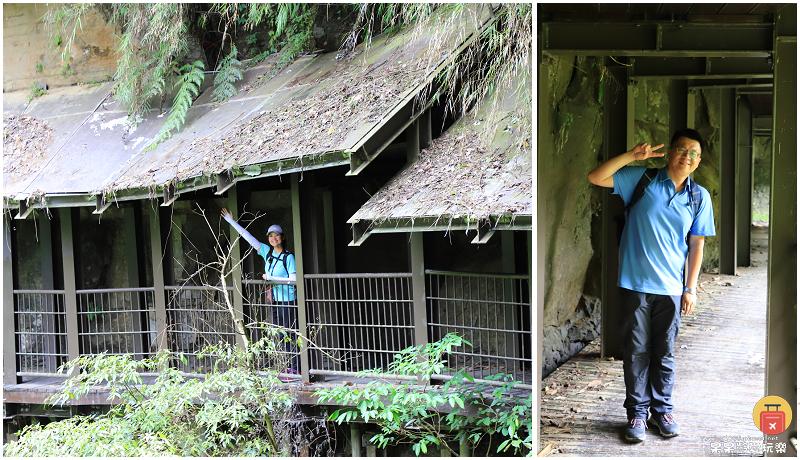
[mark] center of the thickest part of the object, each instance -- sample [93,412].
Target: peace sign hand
[644,151]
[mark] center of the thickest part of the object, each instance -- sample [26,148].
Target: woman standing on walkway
[279,265]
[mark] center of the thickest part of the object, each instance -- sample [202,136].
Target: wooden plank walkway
[720,356]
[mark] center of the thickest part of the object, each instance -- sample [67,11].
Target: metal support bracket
[225,180]
[360,234]
[170,195]
[359,160]
[483,236]
[24,210]
[99,205]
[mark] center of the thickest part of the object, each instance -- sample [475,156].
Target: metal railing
[262,313]
[355,322]
[117,321]
[41,331]
[492,312]
[358,321]
[197,316]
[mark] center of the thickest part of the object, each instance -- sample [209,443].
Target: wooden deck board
[719,355]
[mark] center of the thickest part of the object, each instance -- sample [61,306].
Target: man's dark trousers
[650,323]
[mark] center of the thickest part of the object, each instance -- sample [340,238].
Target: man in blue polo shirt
[653,254]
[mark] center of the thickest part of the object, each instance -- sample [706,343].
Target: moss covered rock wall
[571,319]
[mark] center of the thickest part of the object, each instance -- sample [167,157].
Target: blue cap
[275,228]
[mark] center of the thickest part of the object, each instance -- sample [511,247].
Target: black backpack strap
[696,199]
[638,192]
[286,267]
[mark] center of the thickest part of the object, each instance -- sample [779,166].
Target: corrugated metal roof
[312,114]
[481,168]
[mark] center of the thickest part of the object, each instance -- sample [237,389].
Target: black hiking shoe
[635,430]
[665,424]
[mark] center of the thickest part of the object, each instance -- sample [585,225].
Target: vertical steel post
[727,182]
[531,291]
[418,136]
[412,142]
[543,151]
[744,182]
[330,243]
[46,248]
[158,259]
[237,296]
[297,229]
[309,227]
[617,109]
[631,106]
[781,363]
[48,283]
[417,260]
[510,315]
[355,439]
[9,329]
[132,254]
[425,130]
[465,449]
[70,296]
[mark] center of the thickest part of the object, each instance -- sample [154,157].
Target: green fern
[190,83]
[229,73]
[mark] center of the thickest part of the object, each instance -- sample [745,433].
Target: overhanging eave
[363,229]
[658,39]
[168,193]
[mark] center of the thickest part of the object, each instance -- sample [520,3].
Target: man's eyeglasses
[692,154]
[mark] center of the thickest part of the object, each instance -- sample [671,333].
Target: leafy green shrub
[235,411]
[409,413]
[36,91]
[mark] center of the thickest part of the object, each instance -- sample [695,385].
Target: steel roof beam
[697,68]
[731,83]
[764,123]
[754,89]
[363,229]
[658,39]
[273,168]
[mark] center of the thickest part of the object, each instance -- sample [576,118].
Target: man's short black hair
[689,134]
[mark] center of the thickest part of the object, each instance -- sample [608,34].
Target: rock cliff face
[573,264]
[29,55]
[573,203]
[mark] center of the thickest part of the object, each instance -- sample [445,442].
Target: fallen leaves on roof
[458,176]
[25,139]
[300,127]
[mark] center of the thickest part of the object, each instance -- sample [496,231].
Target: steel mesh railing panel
[358,321]
[41,331]
[262,314]
[492,312]
[197,317]
[117,322]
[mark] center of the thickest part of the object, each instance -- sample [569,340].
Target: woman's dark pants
[285,314]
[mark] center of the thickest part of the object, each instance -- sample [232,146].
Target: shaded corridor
[720,356]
